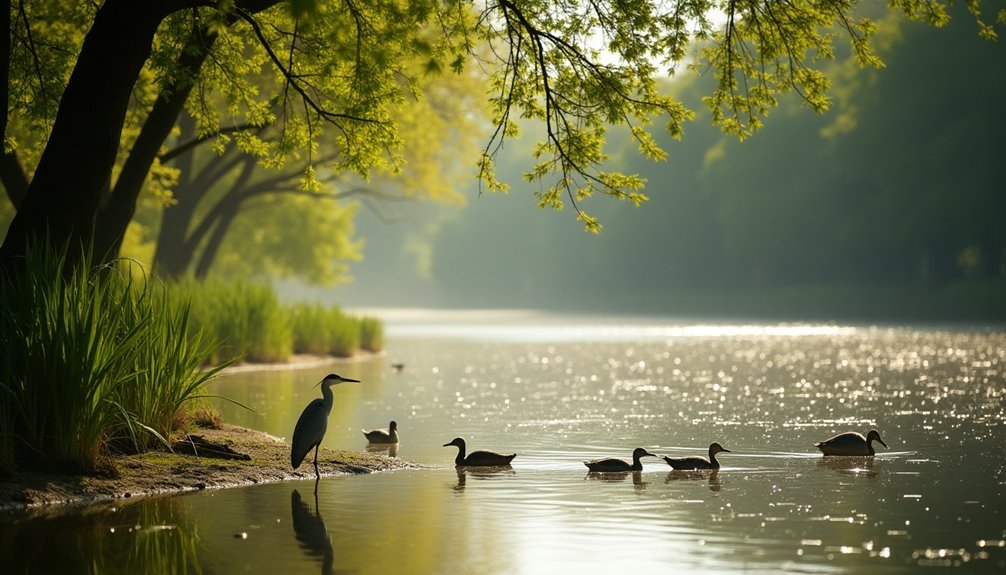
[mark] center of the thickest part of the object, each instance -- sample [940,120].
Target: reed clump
[96,360]
[93,362]
[329,330]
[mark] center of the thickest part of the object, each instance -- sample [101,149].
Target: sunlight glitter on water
[564,332]
[934,497]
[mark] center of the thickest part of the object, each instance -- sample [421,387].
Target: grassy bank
[248,321]
[96,362]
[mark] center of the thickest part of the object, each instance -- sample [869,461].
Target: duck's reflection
[696,475]
[616,476]
[856,466]
[480,473]
[391,449]
[311,531]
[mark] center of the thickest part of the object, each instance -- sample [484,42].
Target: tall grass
[324,330]
[94,361]
[371,334]
[91,362]
[245,318]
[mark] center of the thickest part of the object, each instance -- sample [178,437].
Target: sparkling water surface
[558,390]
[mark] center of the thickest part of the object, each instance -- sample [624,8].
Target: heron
[313,423]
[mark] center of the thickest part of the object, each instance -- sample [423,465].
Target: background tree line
[890,205]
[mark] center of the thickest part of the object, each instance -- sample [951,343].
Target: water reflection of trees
[146,536]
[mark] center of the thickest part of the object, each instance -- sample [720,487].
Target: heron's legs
[317,474]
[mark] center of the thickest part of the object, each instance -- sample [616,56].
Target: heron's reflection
[390,448]
[856,466]
[480,473]
[696,475]
[311,531]
[616,476]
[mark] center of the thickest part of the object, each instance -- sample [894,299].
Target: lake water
[558,390]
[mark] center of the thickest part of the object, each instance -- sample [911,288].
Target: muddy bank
[227,457]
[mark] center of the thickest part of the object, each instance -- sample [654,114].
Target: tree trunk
[179,239]
[15,181]
[4,71]
[169,259]
[118,211]
[222,215]
[212,247]
[64,195]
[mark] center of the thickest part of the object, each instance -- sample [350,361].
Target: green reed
[324,330]
[371,334]
[93,361]
[245,318]
[100,360]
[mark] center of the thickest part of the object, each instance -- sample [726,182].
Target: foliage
[92,360]
[875,196]
[318,73]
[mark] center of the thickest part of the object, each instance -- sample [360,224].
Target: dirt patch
[217,458]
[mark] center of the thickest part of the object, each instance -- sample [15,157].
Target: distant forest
[890,206]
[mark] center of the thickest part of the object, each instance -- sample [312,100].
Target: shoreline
[231,456]
[301,361]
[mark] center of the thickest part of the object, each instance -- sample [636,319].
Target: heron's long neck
[869,447]
[712,457]
[327,397]
[636,464]
[460,459]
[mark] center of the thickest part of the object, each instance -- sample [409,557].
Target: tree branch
[191,144]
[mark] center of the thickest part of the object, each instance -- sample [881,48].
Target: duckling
[612,464]
[698,462]
[389,435]
[478,458]
[851,443]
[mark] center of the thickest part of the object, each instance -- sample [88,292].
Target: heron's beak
[882,442]
[651,454]
[725,450]
[350,380]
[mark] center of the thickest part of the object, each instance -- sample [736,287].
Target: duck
[478,458]
[688,463]
[851,443]
[611,464]
[389,435]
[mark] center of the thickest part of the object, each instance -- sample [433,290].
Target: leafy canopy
[338,72]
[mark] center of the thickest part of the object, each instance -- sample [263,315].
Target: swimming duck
[389,435]
[851,443]
[611,464]
[698,462]
[478,458]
